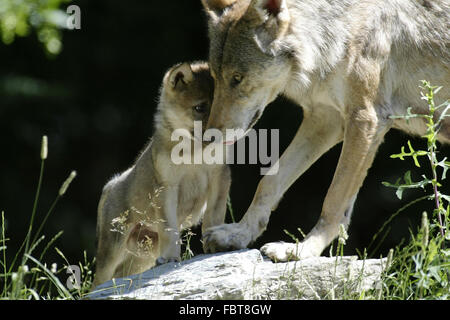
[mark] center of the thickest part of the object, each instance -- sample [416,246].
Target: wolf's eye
[237,78]
[201,108]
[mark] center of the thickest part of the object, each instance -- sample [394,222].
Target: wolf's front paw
[283,251]
[226,237]
[162,260]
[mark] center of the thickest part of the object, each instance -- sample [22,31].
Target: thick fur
[143,210]
[351,65]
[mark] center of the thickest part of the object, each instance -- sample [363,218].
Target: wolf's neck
[318,36]
[163,130]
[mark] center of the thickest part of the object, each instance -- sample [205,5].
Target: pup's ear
[271,19]
[214,8]
[180,75]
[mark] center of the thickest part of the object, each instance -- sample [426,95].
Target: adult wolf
[350,64]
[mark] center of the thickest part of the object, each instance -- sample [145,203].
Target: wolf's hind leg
[107,258]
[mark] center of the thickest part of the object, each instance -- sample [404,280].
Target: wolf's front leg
[219,188]
[321,129]
[169,235]
[170,247]
[364,132]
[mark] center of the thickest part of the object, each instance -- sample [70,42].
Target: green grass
[27,276]
[421,268]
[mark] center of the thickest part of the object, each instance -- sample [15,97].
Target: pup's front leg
[169,244]
[170,247]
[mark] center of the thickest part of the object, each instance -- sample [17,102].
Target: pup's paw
[284,251]
[226,237]
[162,260]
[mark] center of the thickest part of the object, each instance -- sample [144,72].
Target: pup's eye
[201,108]
[237,78]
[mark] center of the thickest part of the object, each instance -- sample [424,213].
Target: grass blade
[58,285]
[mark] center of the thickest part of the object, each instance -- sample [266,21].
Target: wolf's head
[186,96]
[248,60]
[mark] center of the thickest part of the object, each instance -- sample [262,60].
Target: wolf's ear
[215,7]
[271,19]
[180,75]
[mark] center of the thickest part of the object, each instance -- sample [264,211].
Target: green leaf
[400,155]
[432,251]
[437,90]
[399,193]
[445,165]
[409,115]
[445,104]
[415,154]
[407,177]
[444,114]
[412,153]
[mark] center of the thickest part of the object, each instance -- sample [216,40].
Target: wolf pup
[149,204]
[350,64]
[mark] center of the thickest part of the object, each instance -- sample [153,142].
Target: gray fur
[350,65]
[143,210]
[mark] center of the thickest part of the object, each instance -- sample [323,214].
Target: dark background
[96,102]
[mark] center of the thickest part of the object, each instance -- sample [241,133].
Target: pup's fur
[149,204]
[351,65]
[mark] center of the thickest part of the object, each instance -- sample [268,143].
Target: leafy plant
[421,269]
[187,252]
